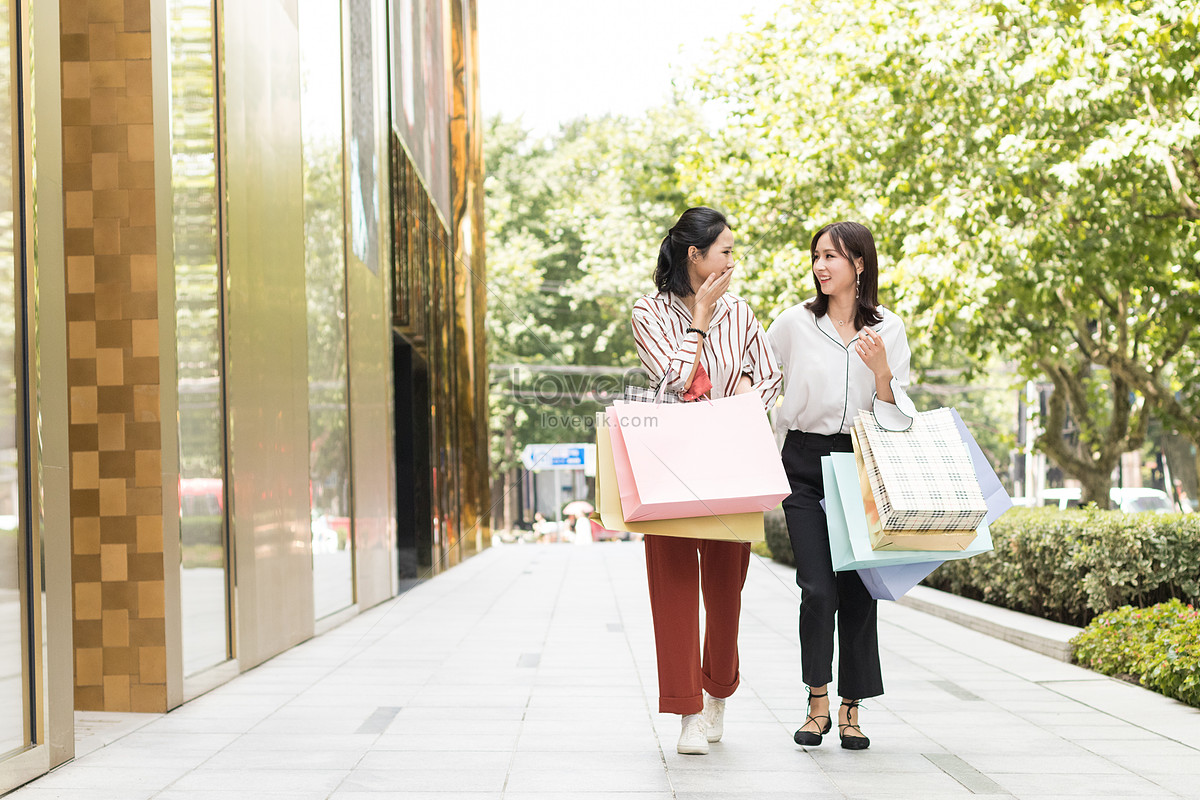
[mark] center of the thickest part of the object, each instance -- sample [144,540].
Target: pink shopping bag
[678,460]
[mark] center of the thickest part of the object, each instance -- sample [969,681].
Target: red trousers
[676,579]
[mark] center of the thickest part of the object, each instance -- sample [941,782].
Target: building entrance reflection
[414,524]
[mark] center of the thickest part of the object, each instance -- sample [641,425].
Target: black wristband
[697,330]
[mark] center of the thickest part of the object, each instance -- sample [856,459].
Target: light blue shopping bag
[849,543]
[892,581]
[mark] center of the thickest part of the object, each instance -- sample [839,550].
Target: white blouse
[736,345]
[825,382]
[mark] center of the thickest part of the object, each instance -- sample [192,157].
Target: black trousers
[826,596]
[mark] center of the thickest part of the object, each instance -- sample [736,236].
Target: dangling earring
[857,283]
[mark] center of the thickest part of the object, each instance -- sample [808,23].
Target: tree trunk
[1183,457]
[512,480]
[509,481]
[1095,489]
[1091,463]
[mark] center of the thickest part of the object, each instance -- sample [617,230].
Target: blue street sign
[538,457]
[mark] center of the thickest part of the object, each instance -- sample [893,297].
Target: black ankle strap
[851,703]
[823,694]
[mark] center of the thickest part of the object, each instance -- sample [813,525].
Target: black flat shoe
[858,742]
[809,738]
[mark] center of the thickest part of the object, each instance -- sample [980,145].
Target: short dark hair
[854,241]
[697,227]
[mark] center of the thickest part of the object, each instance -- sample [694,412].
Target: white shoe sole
[692,750]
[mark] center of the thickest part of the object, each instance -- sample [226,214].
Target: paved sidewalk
[528,672]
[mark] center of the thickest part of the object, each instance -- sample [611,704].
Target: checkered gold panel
[113,368]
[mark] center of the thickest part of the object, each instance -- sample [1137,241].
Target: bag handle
[662,386]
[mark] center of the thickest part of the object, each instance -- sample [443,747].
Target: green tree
[325,280]
[1029,170]
[574,223]
[194,216]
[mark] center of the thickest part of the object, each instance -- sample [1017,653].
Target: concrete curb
[1033,633]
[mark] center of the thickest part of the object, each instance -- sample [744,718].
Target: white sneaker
[693,740]
[714,717]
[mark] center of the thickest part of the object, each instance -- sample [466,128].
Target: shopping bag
[710,457]
[728,527]
[918,539]
[921,478]
[892,583]
[994,495]
[849,542]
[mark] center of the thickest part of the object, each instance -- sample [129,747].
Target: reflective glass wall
[203,585]
[325,276]
[13,647]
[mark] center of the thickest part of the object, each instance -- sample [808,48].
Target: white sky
[549,61]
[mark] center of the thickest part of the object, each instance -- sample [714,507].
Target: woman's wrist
[883,387]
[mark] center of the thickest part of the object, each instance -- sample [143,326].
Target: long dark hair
[853,241]
[697,227]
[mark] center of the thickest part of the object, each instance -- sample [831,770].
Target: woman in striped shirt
[702,341]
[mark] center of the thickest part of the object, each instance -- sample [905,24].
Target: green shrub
[1072,565]
[203,555]
[778,541]
[1159,647]
[200,530]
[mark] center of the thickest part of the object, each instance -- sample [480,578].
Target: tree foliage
[1030,171]
[574,222]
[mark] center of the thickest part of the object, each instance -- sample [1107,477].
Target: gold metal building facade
[439,293]
[242,367]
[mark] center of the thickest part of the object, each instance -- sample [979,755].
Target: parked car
[1131,501]
[1061,498]
[1134,500]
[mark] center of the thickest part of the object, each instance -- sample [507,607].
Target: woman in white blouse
[840,352]
[702,341]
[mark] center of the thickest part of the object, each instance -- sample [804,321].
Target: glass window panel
[12,645]
[325,275]
[198,336]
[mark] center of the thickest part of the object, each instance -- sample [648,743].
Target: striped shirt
[736,345]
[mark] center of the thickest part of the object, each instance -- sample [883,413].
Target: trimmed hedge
[1072,565]
[1157,647]
[201,530]
[778,542]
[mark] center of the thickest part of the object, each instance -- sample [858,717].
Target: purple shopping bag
[892,583]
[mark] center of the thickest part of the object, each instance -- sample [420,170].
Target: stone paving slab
[528,673]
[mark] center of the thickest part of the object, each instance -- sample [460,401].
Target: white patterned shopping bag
[921,478]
